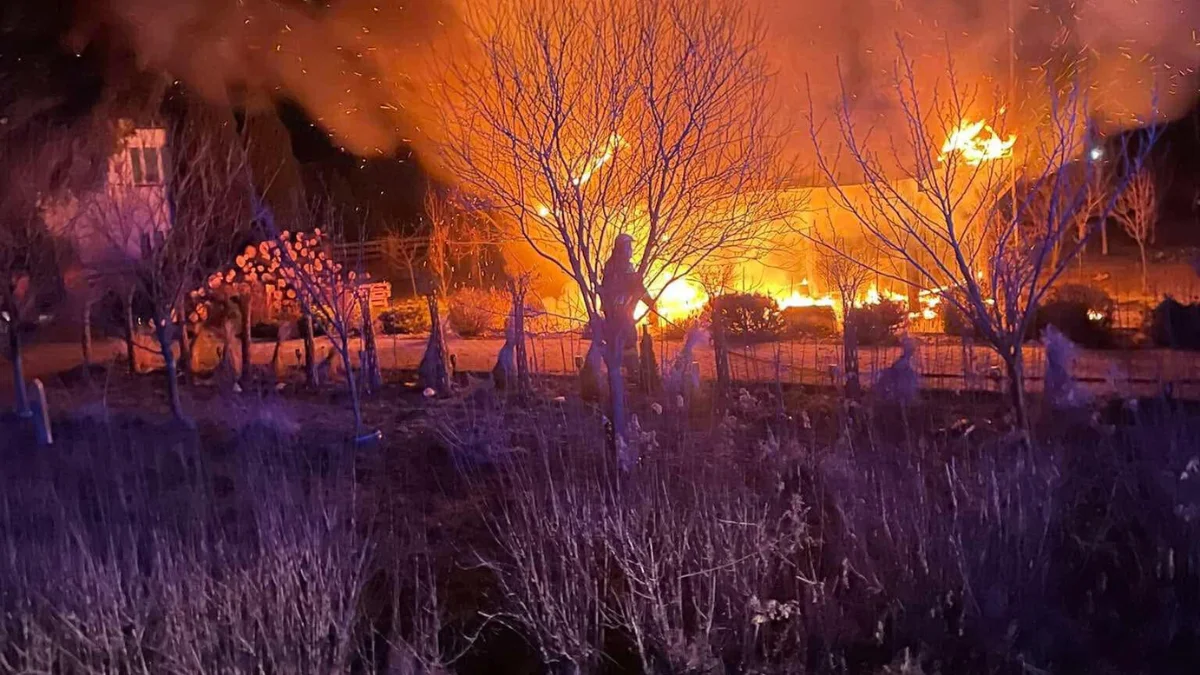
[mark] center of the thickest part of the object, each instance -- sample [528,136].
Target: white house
[107,225]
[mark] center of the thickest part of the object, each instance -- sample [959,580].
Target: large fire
[682,298]
[976,142]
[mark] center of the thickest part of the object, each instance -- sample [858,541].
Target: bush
[1082,313]
[809,322]
[407,317]
[1175,325]
[747,317]
[264,331]
[677,329]
[318,327]
[954,322]
[476,312]
[878,324]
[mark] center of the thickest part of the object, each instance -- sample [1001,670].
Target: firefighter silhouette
[621,289]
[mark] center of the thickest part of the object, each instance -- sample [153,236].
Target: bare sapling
[966,208]
[649,378]
[278,370]
[42,165]
[512,364]
[369,362]
[246,320]
[681,384]
[186,363]
[434,369]
[328,290]
[849,276]
[130,328]
[583,123]
[175,198]
[1136,210]
[717,281]
[433,373]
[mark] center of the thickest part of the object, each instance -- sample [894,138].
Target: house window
[147,165]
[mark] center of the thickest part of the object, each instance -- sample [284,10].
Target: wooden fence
[388,249]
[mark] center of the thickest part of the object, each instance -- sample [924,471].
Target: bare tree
[580,122]
[434,370]
[405,251]
[1092,181]
[512,364]
[29,269]
[166,223]
[940,199]
[44,162]
[327,290]
[1136,210]
[849,275]
[717,280]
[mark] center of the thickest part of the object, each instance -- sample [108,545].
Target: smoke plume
[360,67]
[354,65]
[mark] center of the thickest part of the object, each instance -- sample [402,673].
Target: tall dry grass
[756,547]
[764,542]
[131,548]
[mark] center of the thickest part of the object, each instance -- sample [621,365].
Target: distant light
[1096,153]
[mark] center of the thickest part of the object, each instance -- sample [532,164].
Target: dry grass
[820,540]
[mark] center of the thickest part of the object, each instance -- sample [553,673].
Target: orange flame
[614,143]
[976,142]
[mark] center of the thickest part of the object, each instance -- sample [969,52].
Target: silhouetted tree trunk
[162,330]
[310,350]
[850,353]
[130,345]
[650,380]
[85,337]
[355,404]
[590,387]
[518,289]
[244,306]
[20,392]
[372,376]
[434,371]
[720,354]
[1014,363]
[185,343]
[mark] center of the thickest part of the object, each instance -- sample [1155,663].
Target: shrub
[809,322]
[954,322]
[476,312]
[879,323]
[677,329]
[407,317]
[317,324]
[1082,313]
[1175,325]
[264,331]
[747,317]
